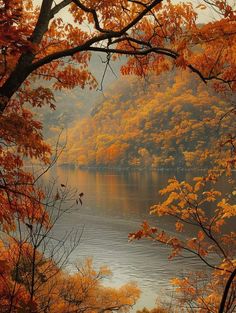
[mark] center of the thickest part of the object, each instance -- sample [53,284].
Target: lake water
[114,204]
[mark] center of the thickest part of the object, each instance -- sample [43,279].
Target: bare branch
[59,7]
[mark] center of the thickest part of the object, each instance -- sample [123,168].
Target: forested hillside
[70,106]
[164,117]
[165,122]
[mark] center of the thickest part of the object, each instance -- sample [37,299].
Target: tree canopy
[53,41]
[37,41]
[169,121]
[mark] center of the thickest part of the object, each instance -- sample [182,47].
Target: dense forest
[172,121]
[175,109]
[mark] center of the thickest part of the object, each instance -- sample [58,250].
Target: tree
[207,210]
[138,124]
[32,261]
[83,292]
[37,43]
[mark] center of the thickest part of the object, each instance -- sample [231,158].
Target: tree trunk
[226,291]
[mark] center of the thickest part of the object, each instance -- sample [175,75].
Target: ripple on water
[113,206]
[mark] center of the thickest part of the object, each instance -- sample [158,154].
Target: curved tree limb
[226,291]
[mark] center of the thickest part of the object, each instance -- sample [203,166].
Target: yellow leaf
[201,6]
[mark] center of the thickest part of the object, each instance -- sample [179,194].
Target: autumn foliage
[166,122]
[38,44]
[208,211]
[55,290]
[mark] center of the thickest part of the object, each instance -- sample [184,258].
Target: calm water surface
[114,204]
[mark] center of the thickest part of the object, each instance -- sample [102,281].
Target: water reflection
[115,203]
[126,194]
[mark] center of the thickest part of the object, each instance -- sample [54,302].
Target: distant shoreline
[126,168]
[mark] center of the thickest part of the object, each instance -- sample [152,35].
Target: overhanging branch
[59,7]
[94,14]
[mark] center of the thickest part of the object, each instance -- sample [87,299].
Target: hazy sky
[204,15]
